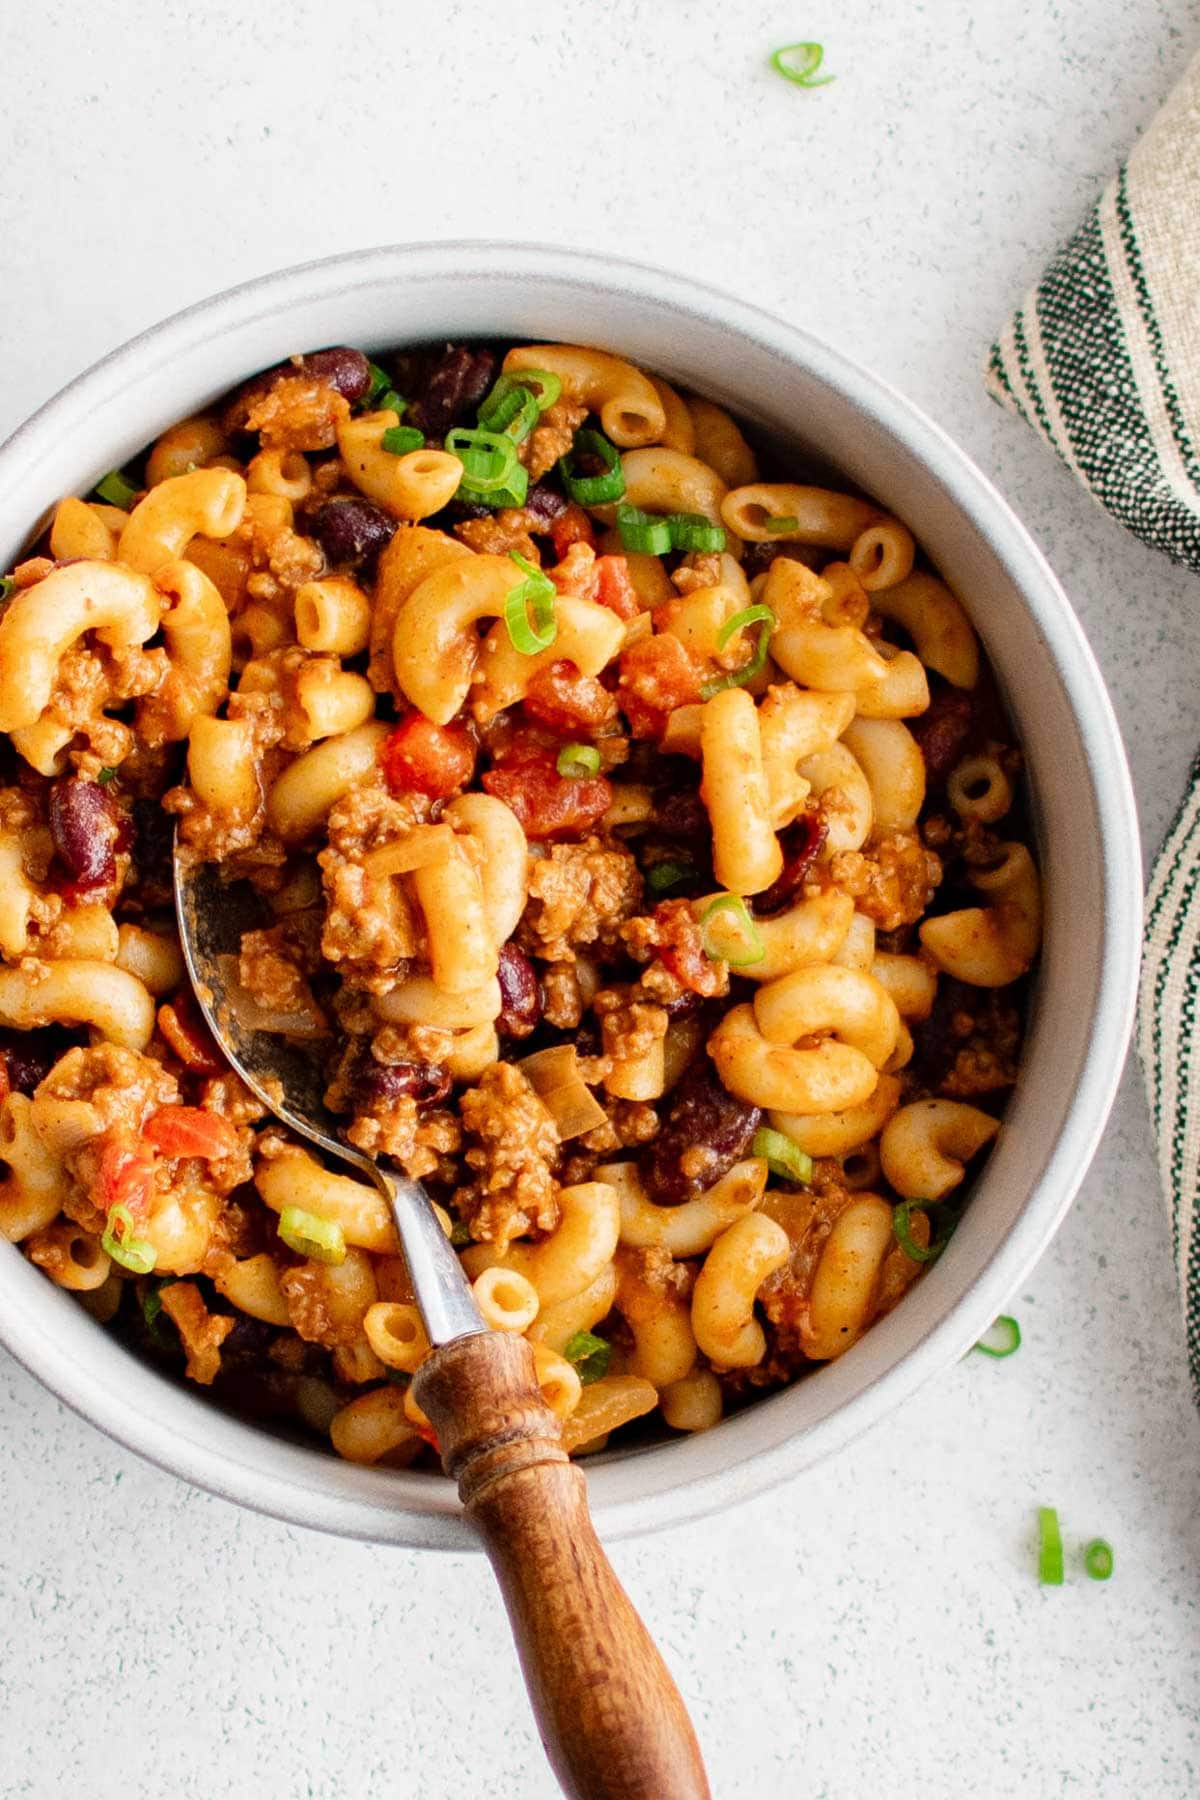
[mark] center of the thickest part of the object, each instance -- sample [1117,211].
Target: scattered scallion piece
[152,1307]
[1050,1549]
[391,401]
[538,592]
[1098,1559]
[642,532]
[116,489]
[513,413]
[904,1237]
[782,522]
[798,63]
[132,1252]
[1002,1338]
[692,531]
[784,1158]
[735,906]
[593,490]
[661,877]
[578,762]
[401,439]
[742,621]
[590,1354]
[8,588]
[460,1235]
[105,776]
[488,459]
[380,384]
[321,1240]
[544,387]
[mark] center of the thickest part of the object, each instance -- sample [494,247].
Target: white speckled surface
[875,1628]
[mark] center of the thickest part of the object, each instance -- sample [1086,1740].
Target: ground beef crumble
[578,894]
[512,1150]
[892,879]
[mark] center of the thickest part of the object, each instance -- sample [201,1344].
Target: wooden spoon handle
[607,1710]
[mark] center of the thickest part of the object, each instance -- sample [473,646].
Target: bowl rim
[282,1490]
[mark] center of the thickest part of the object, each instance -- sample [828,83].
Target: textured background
[876,1627]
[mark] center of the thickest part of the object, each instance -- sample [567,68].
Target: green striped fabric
[1103,361]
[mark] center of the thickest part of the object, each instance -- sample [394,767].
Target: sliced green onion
[781,523]
[663,876]
[400,439]
[512,409]
[1002,1338]
[1098,1559]
[391,402]
[806,59]
[784,1158]
[116,490]
[908,1243]
[152,1313]
[105,776]
[692,531]
[742,621]
[8,588]
[513,492]
[381,383]
[1050,1550]
[590,1354]
[538,592]
[643,532]
[488,459]
[735,906]
[133,1253]
[544,387]
[460,1235]
[593,490]
[578,761]
[308,1235]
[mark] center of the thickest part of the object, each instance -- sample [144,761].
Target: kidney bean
[520,993]
[152,844]
[801,844]
[377,1082]
[942,732]
[29,1056]
[545,504]
[352,532]
[702,1117]
[458,383]
[84,828]
[683,815]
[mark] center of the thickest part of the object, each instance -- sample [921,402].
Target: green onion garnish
[590,1354]
[593,490]
[319,1239]
[116,490]
[805,60]
[512,407]
[1002,1338]
[1050,1550]
[663,876]
[488,459]
[380,384]
[544,387]
[391,402]
[460,1235]
[400,439]
[904,1237]
[1098,1559]
[735,906]
[8,588]
[742,621]
[692,531]
[782,523]
[133,1253]
[784,1158]
[578,761]
[642,532]
[152,1313]
[513,492]
[105,776]
[538,592]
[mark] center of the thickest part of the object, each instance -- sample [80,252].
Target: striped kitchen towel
[1103,360]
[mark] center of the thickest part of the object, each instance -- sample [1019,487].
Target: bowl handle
[607,1710]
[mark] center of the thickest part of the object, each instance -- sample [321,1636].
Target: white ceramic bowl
[808,394]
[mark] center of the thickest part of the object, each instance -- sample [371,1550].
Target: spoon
[609,1715]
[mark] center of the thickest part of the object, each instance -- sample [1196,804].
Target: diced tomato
[546,803]
[190,1131]
[125,1177]
[571,527]
[616,589]
[182,1024]
[429,1434]
[657,675]
[425,758]
[568,701]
